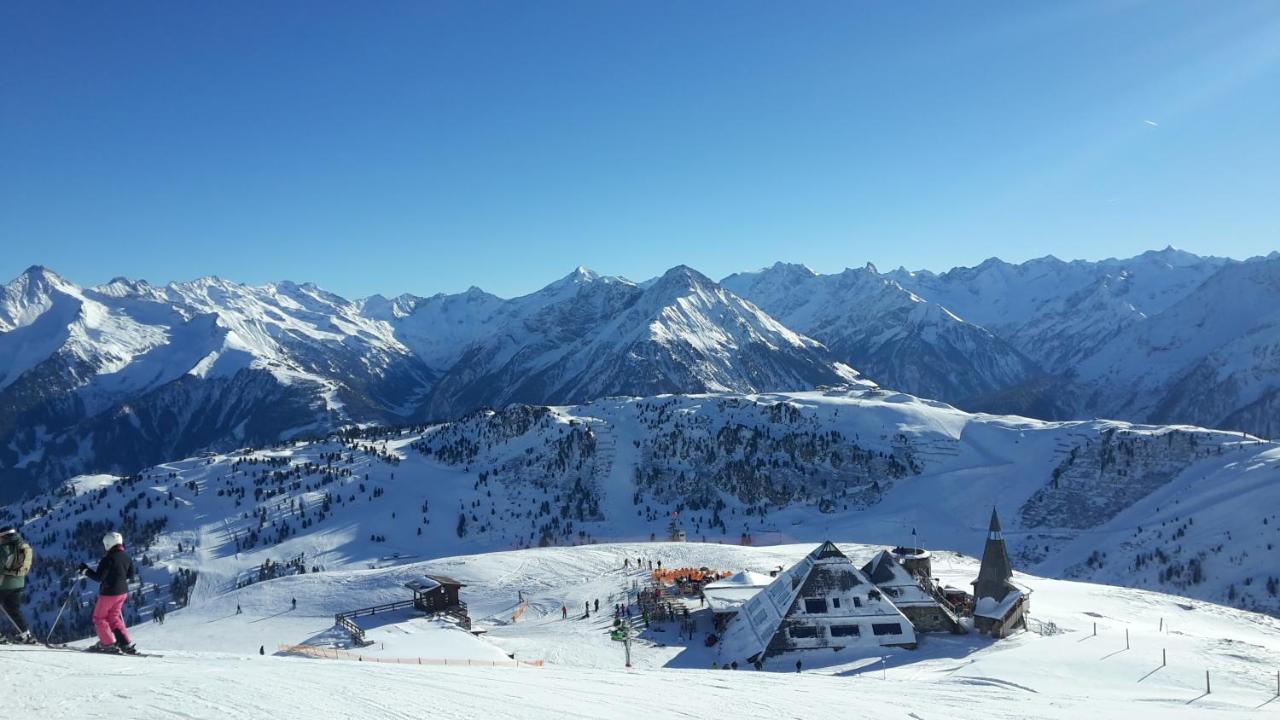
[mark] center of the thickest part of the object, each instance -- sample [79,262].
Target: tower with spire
[994,574]
[999,605]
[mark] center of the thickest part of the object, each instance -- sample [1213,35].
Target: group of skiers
[113,573]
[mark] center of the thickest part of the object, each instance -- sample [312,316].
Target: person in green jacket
[15,563]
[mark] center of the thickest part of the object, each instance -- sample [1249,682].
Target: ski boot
[26,638]
[126,648]
[104,649]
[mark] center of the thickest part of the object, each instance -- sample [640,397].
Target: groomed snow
[211,668]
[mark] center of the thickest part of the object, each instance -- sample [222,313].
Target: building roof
[902,587]
[446,580]
[824,572]
[995,571]
[731,593]
[746,578]
[430,582]
[989,607]
[424,584]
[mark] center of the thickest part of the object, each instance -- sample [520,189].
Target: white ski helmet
[111,540]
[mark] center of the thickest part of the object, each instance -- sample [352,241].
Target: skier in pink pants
[113,575]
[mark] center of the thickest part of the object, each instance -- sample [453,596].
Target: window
[857,602]
[759,616]
[844,631]
[886,629]
[815,605]
[779,593]
[801,632]
[835,603]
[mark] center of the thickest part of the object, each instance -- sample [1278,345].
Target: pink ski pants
[107,616]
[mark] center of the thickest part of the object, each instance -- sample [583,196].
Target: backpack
[20,561]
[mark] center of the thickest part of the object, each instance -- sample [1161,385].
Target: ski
[62,647]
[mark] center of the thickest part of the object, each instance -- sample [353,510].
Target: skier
[239,611]
[15,563]
[295,603]
[797,666]
[597,604]
[114,572]
[564,612]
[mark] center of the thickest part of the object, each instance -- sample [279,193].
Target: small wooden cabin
[437,594]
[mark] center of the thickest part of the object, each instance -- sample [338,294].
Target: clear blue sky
[429,146]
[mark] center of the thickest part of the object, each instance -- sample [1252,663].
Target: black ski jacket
[113,573]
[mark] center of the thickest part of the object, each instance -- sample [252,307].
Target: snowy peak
[587,337]
[893,335]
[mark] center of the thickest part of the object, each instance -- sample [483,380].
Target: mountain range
[127,374]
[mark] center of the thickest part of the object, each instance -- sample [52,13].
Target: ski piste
[62,647]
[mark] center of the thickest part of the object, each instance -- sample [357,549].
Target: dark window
[857,602]
[844,631]
[800,631]
[886,629]
[835,603]
[815,605]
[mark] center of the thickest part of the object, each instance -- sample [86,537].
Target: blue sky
[430,146]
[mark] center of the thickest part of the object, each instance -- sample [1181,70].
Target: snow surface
[211,669]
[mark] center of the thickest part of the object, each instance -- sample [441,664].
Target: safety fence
[335,654]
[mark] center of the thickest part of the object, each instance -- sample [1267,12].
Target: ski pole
[54,626]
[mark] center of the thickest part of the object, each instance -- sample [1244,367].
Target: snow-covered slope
[124,375]
[894,336]
[1176,508]
[1213,357]
[121,376]
[211,668]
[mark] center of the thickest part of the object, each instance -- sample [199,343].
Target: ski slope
[1171,508]
[211,668]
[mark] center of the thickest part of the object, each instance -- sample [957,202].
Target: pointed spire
[995,571]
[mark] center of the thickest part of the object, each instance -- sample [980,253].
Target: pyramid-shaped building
[822,602]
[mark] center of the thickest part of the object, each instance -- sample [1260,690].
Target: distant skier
[15,563]
[114,572]
[239,610]
[597,604]
[564,612]
[295,603]
[262,649]
[797,666]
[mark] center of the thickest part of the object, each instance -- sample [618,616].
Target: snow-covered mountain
[587,336]
[127,374]
[117,377]
[1174,508]
[1167,336]
[891,334]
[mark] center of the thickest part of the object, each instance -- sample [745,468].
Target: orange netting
[334,654]
[519,613]
[671,576]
